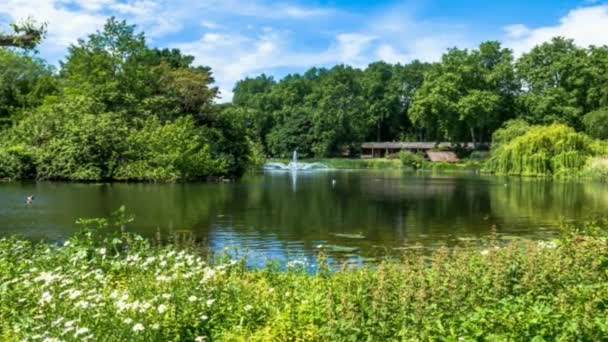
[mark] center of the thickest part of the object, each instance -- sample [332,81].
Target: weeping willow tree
[556,150]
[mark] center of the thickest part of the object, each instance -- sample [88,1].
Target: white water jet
[294,165]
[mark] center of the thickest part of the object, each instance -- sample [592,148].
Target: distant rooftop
[414,145]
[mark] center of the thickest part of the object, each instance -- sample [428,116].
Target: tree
[338,114]
[596,123]
[25,35]
[562,82]
[466,94]
[254,94]
[24,82]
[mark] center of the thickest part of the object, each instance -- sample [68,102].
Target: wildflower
[210,301]
[200,338]
[162,279]
[83,304]
[547,244]
[162,308]
[204,317]
[192,299]
[155,326]
[248,307]
[75,294]
[166,295]
[485,252]
[67,243]
[138,327]
[69,324]
[46,298]
[128,320]
[81,331]
[102,251]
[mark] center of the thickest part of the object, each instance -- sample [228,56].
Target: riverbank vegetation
[120,286]
[118,109]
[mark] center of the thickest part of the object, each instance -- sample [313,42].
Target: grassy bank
[390,164]
[123,288]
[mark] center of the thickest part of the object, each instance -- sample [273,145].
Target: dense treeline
[119,109]
[465,96]
[115,109]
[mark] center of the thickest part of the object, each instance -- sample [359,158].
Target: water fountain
[294,165]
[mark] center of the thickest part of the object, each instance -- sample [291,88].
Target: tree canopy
[116,108]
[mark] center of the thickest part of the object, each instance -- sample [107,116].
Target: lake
[284,215]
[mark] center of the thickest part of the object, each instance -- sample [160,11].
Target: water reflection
[287,215]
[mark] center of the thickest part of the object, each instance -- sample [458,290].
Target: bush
[596,124]
[479,155]
[410,159]
[597,167]
[73,138]
[16,163]
[544,150]
[94,287]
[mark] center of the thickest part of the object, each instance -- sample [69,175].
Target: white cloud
[586,25]
[350,46]
[388,54]
[239,38]
[65,25]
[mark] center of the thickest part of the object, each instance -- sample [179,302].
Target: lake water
[284,215]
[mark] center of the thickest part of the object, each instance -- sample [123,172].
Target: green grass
[390,164]
[123,288]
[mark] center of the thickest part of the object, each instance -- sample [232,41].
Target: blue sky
[246,38]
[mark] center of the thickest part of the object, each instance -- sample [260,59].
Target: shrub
[479,155]
[596,124]
[410,159]
[597,167]
[119,287]
[16,162]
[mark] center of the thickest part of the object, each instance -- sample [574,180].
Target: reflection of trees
[265,211]
[544,202]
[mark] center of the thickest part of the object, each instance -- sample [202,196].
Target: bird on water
[29,199]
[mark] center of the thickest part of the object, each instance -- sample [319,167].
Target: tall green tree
[562,82]
[254,95]
[24,83]
[467,95]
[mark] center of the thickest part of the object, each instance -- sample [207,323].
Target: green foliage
[411,159]
[509,131]
[597,168]
[16,163]
[171,151]
[467,95]
[26,35]
[596,123]
[119,110]
[112,285]
[544,150]
[563,82]
[24,82]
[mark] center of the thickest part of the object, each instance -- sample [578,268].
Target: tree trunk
[473,137]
